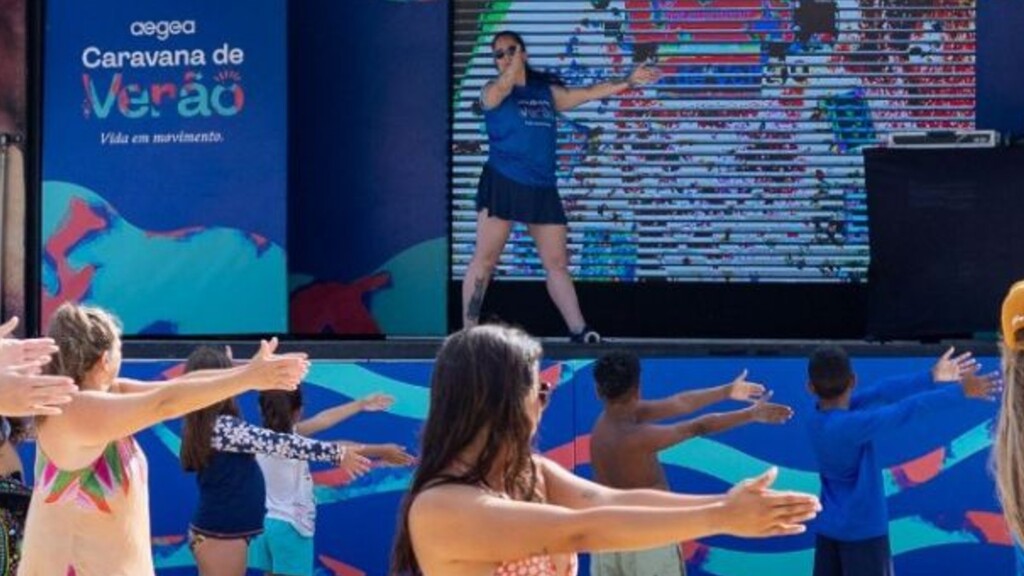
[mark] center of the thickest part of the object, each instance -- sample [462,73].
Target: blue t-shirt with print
[521,132]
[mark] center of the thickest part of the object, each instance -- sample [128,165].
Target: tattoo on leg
[476,301]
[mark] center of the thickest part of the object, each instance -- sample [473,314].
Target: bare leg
[551,246]
[491,235]
[221,557]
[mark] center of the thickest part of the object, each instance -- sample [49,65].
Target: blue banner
[164,163]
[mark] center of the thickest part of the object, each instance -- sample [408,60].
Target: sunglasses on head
[510,51]
[544,393]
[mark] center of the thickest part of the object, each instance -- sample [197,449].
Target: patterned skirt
[14,499]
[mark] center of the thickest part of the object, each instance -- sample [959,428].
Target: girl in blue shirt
[220,447]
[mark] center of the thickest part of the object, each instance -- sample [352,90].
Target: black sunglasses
[510,51]
[544,393]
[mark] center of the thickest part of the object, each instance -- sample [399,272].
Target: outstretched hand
[20,352]
[950,369]
[353,462]
[766,412]
[982,387]
[272,371]
[26,395]
[741,389]
[643,74]
[395,455]
[753,509]
[376,402]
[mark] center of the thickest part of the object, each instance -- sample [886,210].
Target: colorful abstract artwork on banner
[164,163]
[930,461]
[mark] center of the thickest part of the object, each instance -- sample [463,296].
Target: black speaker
[945,231]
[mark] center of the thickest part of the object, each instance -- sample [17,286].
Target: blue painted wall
[945,519]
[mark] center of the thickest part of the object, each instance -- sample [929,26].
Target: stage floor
[559,348]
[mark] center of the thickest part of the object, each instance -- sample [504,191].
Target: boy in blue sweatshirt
[853,527]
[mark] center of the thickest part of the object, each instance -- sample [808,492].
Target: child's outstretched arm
[947,369]
[982,386]
[688,402]
[390,454]
[232,434]
[657,437]
[332,416]
[864,425]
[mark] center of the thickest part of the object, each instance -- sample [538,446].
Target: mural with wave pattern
[944,518]
[194,280]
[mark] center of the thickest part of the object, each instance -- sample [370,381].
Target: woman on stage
[518,181]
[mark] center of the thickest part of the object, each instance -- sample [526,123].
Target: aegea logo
[163,29]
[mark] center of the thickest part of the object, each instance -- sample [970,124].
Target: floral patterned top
[232,491]
[232,434]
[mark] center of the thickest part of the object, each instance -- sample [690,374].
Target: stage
[559,348]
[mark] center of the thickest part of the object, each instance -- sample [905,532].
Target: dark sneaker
[585,336]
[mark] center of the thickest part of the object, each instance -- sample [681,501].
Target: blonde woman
[1008,454]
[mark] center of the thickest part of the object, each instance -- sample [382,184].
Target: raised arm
[133,386]
[389,454]
[495,91]
[688,402]
[97,418]
[33,395]
[267,350]
[947,369]
[23,351]
[23,391]
[463,524]
[866,424]
[890,390]
[657,437]
[332,416]
[571,491]
[569,98]
[232,434]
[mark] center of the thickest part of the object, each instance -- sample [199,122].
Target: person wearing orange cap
[1009,446]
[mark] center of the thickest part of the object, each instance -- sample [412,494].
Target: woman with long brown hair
[482,503]
[220,447]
